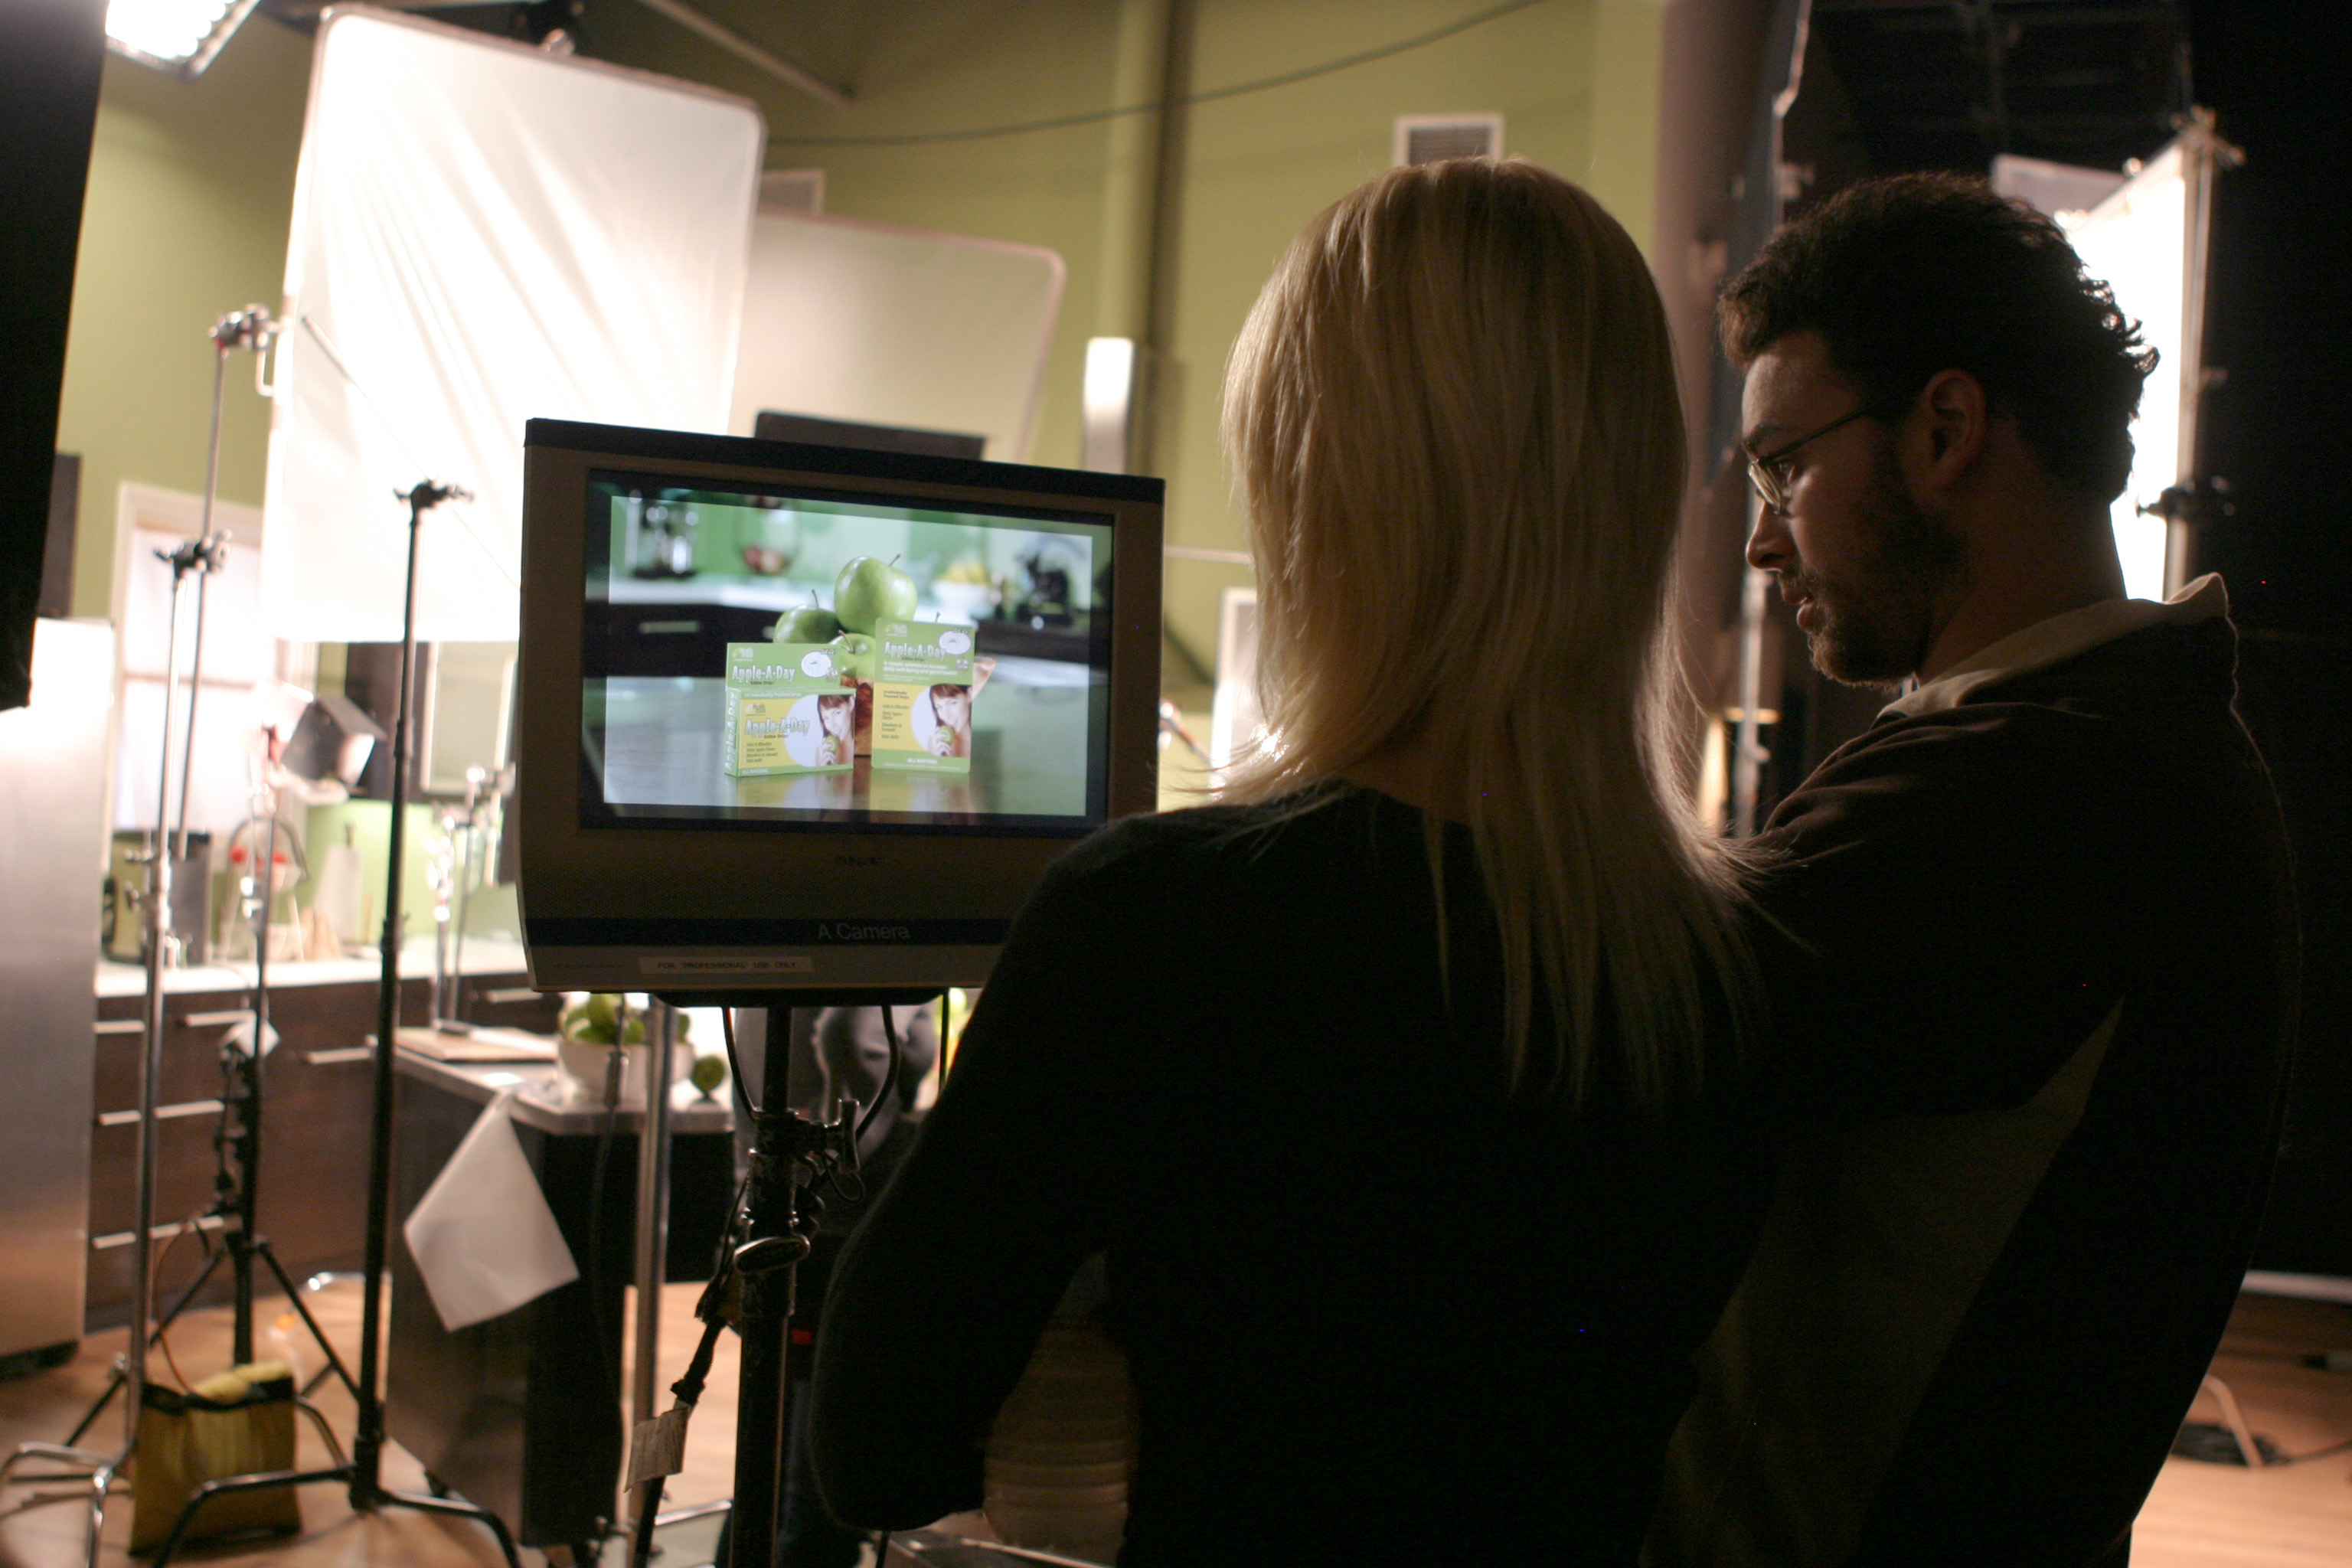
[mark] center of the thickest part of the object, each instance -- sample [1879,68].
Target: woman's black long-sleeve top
[1378,1309]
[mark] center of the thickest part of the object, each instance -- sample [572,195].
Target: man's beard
[1877,617]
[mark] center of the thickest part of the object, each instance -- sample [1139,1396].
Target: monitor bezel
[650,906]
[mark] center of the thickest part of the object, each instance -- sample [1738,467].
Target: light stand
[363,1472]
[367,1489]
[249,329]
[201,556]
[237,1205]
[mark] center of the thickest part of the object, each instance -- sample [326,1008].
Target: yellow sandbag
[235,1423]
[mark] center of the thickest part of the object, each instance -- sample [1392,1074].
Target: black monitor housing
[655,856]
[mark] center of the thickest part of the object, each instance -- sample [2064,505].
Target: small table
[522,1413]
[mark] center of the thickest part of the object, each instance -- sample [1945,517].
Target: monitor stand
[768,1237]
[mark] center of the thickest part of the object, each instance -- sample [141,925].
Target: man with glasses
[2029,940]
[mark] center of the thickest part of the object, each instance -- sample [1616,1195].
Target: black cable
[889,1079]
[734,1066]
[1096,116]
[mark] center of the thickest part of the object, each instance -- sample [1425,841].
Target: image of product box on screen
[789,710]
[922,696]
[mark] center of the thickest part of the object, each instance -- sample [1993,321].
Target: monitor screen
[786,657]
[812,718]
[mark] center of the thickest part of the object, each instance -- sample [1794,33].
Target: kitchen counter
[545,1099]
[483,955]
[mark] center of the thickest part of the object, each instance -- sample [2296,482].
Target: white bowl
[585,1064]
[963,601]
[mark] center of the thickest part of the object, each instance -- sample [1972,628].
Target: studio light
[181,37]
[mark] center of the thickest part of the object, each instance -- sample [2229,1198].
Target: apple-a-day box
[922,695]
[788,711]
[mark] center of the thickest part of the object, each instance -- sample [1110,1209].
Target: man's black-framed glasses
[1770,473]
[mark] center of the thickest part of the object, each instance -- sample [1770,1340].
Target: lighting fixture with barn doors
[179,37]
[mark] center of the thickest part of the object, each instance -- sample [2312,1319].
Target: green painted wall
[191,188]
[1260,167]
[930,65]
[367,826]
[191,192]
[1576,81]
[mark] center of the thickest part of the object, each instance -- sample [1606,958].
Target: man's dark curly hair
[1915,274]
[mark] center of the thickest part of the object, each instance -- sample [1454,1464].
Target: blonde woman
[1385,1086]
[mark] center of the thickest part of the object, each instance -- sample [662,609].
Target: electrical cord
[1096,116]
[889,1079]
[734,1066]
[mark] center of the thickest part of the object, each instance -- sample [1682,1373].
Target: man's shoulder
[2144,719]
[1959,771]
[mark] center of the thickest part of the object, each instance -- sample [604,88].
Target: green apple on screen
[811,622]
[870,591]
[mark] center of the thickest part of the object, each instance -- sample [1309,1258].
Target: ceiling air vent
[1427,138]
[791,191]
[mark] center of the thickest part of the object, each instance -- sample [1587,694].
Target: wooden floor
[44,1407]
[2199,1516]
[2291,1516]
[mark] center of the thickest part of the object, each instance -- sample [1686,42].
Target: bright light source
[1107,404]
[2137,240]
[177,36]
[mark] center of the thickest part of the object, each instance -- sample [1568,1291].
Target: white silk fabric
[483,233]
[483,1238]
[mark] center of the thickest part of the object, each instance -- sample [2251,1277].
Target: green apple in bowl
[871,591]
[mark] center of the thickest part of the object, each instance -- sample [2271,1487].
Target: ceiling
[1946,84]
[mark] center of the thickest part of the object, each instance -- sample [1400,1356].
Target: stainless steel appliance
[52,861]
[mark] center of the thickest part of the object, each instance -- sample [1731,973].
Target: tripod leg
[326,1433]
[294,1296]
[114,1386]
[99,1483]
[460,1510]
[122,1375]
[180,1304]
[265,1480]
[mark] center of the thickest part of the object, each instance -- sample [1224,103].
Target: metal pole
[743,48]
[158,924]
[204,533]
[1748,753]
[767,1309]
[249,1113]
[2203,155]
[367,1441]
[652,1212]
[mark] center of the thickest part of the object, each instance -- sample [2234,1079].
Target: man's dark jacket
[2033,957]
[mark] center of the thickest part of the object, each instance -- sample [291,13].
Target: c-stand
[200,557]
[362,1473]
[237,1190]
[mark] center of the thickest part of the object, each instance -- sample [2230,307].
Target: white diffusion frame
[483,233]
[2148,241]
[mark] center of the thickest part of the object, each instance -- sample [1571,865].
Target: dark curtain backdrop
[52,53]
[2279,428]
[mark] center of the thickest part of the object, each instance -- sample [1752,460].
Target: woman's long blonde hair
[1452,425]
